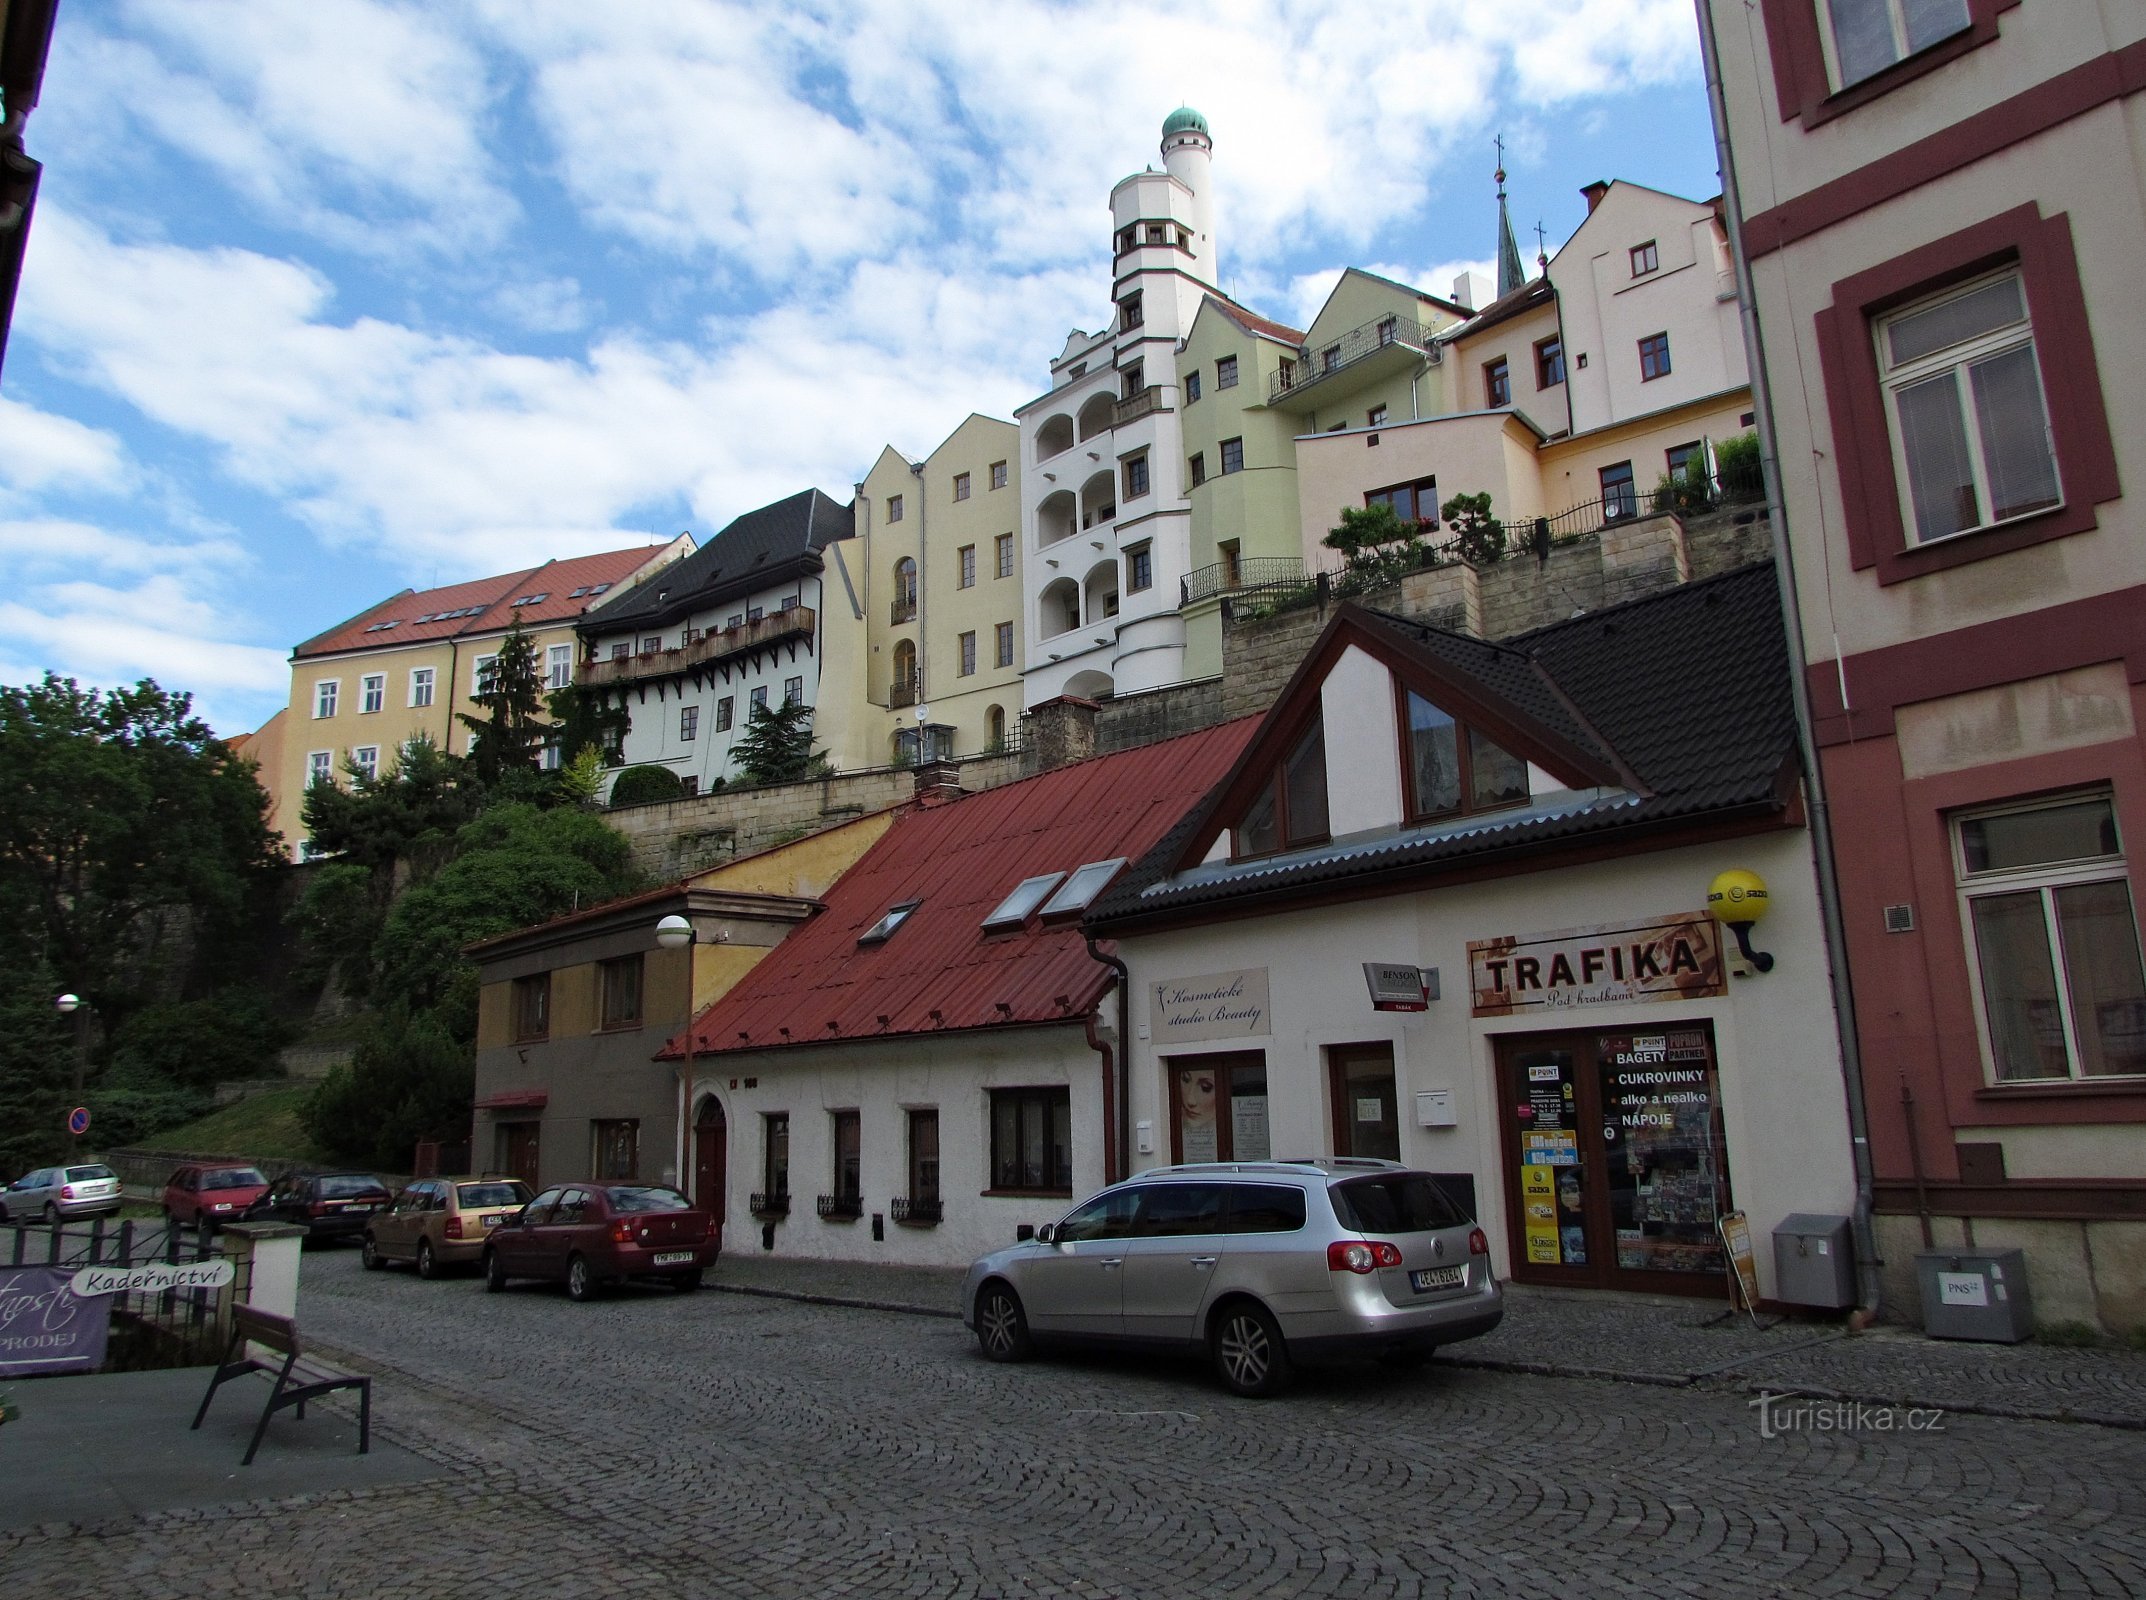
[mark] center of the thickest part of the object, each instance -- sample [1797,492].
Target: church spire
[1511,274]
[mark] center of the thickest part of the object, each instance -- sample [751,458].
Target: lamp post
[673,933]
[72,1005]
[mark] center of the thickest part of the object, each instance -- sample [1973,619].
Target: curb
[807,1297]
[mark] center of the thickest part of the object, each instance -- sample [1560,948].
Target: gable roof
[755,550]
[1685,692]
[1251,321]
[491,600]
[940,971]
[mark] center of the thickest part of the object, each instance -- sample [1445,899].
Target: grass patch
[261,1127]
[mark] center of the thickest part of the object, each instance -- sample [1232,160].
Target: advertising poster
[1668,1176]
[1538,1204]
[1196,1114]
[45,1326]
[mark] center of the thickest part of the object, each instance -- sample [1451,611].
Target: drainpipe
[1829,902]
[916,471]
[1117,1073]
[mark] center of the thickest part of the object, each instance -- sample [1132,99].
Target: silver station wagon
[1261,1264]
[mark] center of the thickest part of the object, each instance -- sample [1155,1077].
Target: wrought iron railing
[842,1207]
[770,1205]
[1311,364]
[920,1211]
[1236,577]
[902,694]
[197,1319]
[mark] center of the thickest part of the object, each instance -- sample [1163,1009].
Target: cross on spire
[1511,274]
[1542,248]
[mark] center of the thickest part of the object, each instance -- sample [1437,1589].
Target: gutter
[1821,824]
[1117,1074]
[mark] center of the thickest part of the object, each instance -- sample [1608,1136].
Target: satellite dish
[923,715]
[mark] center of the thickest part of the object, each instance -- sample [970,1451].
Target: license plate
[1437,1278]
[492,1222]
[673,1258]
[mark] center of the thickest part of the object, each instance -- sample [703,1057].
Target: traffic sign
[78,1121]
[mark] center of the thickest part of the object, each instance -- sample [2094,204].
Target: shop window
[1452,768]
[1032,1140]
[1218,1107]
[1367,1114]
[532,1006]
[1497,383]
[775,1154]
[1290,808]
[2046,900]
[617,1150]
[1412,502]
[1964,396]
[620,980]
[1549,362]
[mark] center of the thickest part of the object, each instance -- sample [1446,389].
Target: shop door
[1615,1167]
[711,1145]
[517,1150]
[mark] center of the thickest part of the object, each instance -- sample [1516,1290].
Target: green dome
[1183,120]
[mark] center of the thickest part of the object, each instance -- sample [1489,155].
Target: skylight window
[883,930]
[1027,895]
[598,588]
[1082,887]
[578,593]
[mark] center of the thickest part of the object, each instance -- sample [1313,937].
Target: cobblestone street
[722,1444]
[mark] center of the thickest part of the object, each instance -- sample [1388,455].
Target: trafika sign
[1666,958]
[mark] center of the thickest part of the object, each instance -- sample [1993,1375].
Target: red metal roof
[556,581]
[515,1100]
[940,971]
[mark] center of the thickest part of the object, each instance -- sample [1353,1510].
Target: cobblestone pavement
[725,1444]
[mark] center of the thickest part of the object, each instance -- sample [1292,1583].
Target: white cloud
[39,450]
[547,305]
[51,544]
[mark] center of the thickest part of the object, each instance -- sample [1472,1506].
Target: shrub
[1736,465]
[640,786]
[1477,535]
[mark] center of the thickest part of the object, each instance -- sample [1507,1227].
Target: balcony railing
[1337,355]
[770,1205]
[917,1211]
[1135,406]
[713,645]
[1236,577]
[842,1207]
[903,610]
[902,694]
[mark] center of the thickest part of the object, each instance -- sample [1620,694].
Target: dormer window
[1453,769]
[1290,808]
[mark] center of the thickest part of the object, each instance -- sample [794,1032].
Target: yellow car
[441,1222]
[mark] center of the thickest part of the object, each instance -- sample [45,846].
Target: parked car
[1260,1265]
[50,1193]
[332,1207]
[587,1235]
[442,1222]
[208,1194]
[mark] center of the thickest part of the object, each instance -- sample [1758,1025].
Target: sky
[324,299]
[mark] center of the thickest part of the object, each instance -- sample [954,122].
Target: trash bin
[1975,1294]
[1814,1262]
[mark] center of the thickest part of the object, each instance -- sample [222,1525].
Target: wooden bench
[298,1378]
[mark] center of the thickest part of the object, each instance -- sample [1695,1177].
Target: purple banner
[45,1326]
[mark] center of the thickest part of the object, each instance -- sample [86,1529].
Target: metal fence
[193,1323]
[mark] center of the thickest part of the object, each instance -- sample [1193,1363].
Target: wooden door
[518,1150]
[711,1143]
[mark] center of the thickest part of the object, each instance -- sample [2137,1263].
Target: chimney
[938,783]
[1472,290]
[1594,192]
[1061,731]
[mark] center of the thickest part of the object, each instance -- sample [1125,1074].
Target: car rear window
[1404,1202]
[353,1184]
[233,1178]
[1264,1208]
[628,1199]
[87,1174]
[491,1194]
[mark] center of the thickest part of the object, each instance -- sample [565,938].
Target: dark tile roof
[759,549]
[1689,688]
[1507,306]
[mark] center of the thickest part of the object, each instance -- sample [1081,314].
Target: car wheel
[1250,1357]
[580,1281]
[52,1215]
[369,1254]
[687,1282]
[427,1265]
[495,1274]
[1001,1325]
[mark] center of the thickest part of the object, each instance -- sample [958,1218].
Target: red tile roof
[940,972]
[556,581]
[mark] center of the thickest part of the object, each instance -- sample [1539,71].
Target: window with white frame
[558,666]
[2046,902]
[480,675]
[320,767]
[1864,37]
[421,681]
[325,695]
[1971,440]
[372,692]
[366,758]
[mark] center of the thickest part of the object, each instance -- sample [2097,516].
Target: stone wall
[1154,715]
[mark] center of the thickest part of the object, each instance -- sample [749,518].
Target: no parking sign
[78,1121]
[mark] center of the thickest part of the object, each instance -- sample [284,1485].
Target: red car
[212,1193]
[590,1234]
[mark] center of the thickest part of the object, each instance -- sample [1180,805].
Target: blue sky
[325,298]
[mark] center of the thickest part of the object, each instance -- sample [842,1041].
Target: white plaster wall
[882,1081]
[1363,757]
[1784,1106]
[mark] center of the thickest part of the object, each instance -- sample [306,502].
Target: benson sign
[1667,958]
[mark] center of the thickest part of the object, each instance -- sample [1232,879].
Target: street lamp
[674,933]
[72,1005]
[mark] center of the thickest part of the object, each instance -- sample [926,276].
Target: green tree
[639,786]
[776,746]
[1366,531]
[512,733]
[409,1079]
[36,1064]
[583,720]
[122,817]
[1480,536]
[233,1034]
[405,816]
